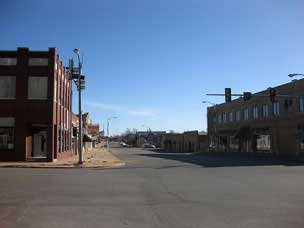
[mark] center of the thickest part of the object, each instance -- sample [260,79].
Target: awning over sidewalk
[87,138]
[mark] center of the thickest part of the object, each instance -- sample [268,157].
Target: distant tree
[171,131]
[128,131]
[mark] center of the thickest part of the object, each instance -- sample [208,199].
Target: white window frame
[301,104]
[276,108]
[237,116]
[231,116]
[255,112]
[245,114]
[224,117]
[219,118]
[265,108]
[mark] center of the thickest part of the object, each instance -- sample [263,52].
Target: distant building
[152,137]
[75,134]
[36,104]
[93,131]
[189,141]
[90,132]
[260,126]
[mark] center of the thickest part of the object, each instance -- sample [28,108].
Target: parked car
[123,144]
[148,145]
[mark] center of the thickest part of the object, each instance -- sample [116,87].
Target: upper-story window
[7,87]
[224,117]
[38,61]
[265,110]
[237,115]
[231,116]
[255,112]
[245,114]
[8,61]
[37,87]
[276,108]
[301,104]
[219,118]
[55,90]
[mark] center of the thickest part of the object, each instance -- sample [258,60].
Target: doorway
[40,144]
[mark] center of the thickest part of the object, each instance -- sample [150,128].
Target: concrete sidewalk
[95,158]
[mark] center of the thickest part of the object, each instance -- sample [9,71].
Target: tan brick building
[259,125]
[189,141]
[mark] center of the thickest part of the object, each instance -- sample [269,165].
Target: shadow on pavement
[222,161]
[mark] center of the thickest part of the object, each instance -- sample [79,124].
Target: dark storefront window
[264,143]
[234,144]
[7,127]
[300,137]
[6,138]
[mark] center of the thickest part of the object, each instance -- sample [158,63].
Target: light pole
[108,130]
[214,121]
[148,128]
[75,75]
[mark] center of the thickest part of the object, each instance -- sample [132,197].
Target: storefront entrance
[40,144]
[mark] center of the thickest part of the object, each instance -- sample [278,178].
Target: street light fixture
[108,130]
[208,102]
[294,74]
[148,128]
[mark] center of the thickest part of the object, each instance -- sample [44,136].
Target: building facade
[187,142]
[259,125]
[36,104]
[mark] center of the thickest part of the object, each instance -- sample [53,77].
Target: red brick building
[36,104]
[259,125]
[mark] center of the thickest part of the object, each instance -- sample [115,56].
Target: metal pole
[80,113]
[108,144]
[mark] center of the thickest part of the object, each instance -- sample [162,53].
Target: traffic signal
[228,94]
[272,94]
[70,68]
[247,96]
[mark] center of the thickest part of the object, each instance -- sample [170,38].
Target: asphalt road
[156,190]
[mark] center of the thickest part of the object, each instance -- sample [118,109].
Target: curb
[120,164]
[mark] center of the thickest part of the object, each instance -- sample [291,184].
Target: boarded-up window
[38,62]
[8,61]
[37,87]
[7,87]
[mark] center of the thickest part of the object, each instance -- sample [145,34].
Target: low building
[259,125]
[93,131]
[36,106]
[152,137]
[189,141]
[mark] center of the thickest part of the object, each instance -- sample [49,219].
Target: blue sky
[152,62]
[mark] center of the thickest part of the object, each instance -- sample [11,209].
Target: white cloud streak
[131,112]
